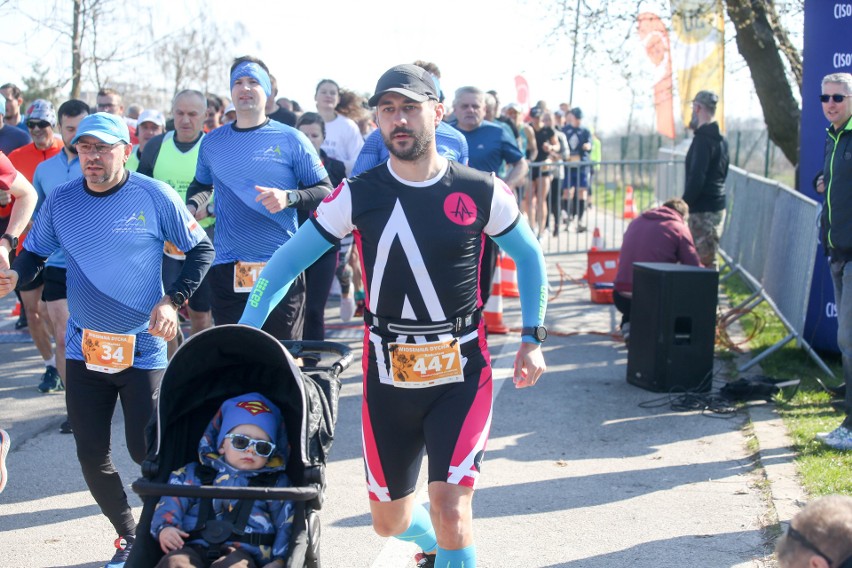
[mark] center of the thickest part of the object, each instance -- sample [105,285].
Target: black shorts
[200,299]
[450,422]
[34,285]
[54,284]
[286,321]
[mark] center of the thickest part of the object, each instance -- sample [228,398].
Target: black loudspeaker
[672,327]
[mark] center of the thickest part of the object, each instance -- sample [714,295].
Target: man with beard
[60,169]
[112,224]
[421,221]
[262,172]
[706,169]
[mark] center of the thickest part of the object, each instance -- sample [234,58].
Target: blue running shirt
[234,161]
[113,243]
[49,175]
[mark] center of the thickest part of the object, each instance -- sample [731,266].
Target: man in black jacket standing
[706,170]
[835,182]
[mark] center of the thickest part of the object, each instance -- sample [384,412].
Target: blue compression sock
[464,558]
[420,531]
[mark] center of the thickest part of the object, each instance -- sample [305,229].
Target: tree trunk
[76,47]
[756,43]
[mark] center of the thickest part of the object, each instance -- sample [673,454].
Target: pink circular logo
[460,209]
[331,196]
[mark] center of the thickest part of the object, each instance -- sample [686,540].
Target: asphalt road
[583,470]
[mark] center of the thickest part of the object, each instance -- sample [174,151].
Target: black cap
[578,114]
[536,111]
[409,80]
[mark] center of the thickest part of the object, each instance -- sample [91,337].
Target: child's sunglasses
[241,443]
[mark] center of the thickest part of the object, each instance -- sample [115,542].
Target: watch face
[540,333]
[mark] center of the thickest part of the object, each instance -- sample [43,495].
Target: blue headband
[256,72]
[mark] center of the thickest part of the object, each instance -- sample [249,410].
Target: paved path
[580,470]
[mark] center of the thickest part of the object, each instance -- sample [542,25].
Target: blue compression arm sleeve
[286,264]
[520,244]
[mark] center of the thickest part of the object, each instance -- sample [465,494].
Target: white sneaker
[347,307]
[840,438]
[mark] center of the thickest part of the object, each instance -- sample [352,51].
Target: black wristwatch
[13,240]
[178,299]
[538,332]
[293,198]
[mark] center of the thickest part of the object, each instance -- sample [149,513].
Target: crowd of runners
[120,221]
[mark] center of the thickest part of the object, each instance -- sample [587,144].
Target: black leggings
[318,279]
[90,398]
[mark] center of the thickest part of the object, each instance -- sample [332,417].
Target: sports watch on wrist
[177,299]
[539,332]
[13,240]
[293,198]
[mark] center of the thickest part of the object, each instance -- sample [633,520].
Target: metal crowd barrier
[769,238]
[609,213]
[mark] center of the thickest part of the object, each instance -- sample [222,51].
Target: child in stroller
[228,361]
[239,448]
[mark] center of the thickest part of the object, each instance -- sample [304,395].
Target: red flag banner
[655,39]
[522,89]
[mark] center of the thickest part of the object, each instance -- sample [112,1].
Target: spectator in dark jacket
[835,182]
[706,170]
[658,235]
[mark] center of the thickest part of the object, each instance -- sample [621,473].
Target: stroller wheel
[312,558]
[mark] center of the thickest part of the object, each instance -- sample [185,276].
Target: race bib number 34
[426,364]
[246,274]
[108,352]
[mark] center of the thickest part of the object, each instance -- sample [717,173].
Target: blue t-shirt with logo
[113,243]
[489,146]
[234,161]
[49,175]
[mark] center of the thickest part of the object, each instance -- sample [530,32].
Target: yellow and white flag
[698,46]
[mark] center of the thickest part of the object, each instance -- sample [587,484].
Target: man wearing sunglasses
[41,121]
[58,170]
[835,183]
[819,536]
[119,319]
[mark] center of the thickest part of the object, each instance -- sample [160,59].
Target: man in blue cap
[120,319]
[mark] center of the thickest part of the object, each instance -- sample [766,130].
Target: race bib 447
[420,365]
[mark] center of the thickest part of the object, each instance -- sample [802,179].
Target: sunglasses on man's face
[838,98]
[242,443]
[37,124]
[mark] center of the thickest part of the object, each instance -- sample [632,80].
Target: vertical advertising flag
[655,39]
[698,38]
[827,50]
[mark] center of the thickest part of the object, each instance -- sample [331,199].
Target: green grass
[805,411]
[612,200]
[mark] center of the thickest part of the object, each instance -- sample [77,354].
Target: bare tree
[774,62]
[91,28]
[761,40]
[198,55]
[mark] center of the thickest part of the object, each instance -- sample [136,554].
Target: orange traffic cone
[16,311]
[509,276]
[597,240]
[493,309]
[629,207]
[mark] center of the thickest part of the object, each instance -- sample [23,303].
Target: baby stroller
[218,364]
